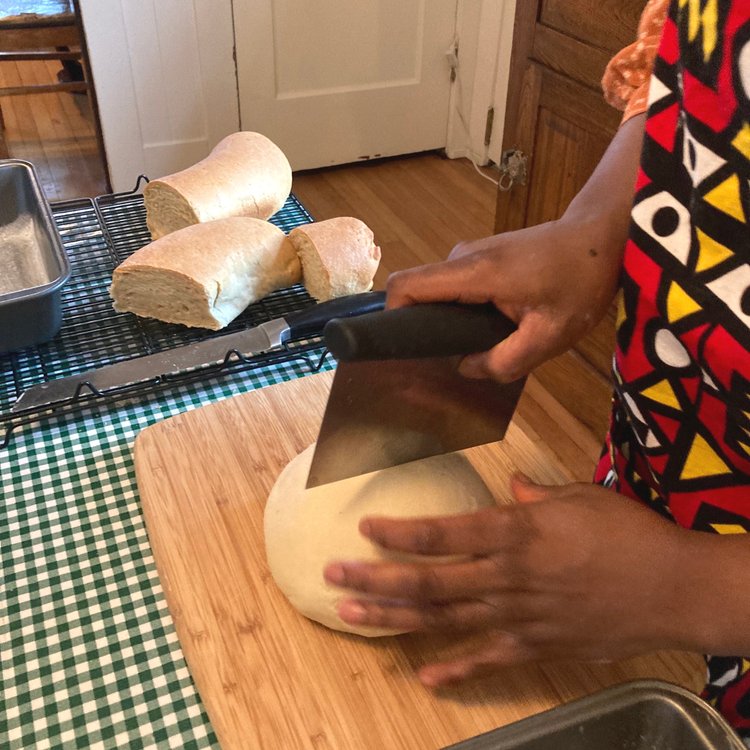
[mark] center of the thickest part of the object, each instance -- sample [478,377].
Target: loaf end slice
[167,210]
[339,256]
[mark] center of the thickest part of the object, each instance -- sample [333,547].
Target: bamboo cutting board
[268,677]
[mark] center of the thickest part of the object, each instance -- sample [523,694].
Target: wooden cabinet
[556,116]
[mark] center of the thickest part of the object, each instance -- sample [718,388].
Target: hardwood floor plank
[440,208]
[416,212]
[59,147]
[473,205]
[54,131]
[75,113]
[22,132]
[327,196]
[436,235]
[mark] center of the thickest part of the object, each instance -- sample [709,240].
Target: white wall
[485,33]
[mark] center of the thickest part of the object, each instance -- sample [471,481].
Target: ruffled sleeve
[626,79]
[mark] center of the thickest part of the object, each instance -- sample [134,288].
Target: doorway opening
[48,110]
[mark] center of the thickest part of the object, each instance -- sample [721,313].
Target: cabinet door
[557,118]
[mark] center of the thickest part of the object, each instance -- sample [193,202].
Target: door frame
[484,31]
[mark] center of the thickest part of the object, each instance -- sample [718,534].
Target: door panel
[571,57]
[165,82]
[608,24]
[329,61]
[557,178]
[334,82]
[573,129]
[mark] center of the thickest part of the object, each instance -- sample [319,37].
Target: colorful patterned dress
[679,438]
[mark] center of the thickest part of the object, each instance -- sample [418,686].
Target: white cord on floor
[486,176]
[459,112]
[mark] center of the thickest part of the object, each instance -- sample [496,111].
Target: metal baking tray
[33,264]
[639,715]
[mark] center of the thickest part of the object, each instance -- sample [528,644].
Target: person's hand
[553,280]
[575,571]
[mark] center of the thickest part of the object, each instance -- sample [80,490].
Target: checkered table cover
[89,656]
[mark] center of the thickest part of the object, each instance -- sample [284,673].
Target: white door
[165,81]
[336,81]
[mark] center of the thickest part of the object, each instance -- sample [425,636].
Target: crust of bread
[339,256]
[205,275]
[246,174]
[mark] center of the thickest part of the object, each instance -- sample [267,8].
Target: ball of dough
[307,529]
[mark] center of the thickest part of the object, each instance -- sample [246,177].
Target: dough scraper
[397,395]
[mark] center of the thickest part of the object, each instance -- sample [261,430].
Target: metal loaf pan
[640,715]
[33,264]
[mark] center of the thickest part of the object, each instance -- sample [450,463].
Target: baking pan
[33,264]
[640,715]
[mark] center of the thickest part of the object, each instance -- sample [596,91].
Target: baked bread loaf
[204,275]
[339,256]
[246,174]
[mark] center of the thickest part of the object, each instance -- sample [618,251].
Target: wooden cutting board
[268,677]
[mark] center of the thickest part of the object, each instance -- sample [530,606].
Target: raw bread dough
[307,529]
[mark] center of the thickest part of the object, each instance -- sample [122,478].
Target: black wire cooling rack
[98,234]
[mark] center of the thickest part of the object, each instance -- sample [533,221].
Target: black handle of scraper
[422,330]
[312,320]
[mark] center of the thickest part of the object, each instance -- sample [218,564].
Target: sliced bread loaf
[204,275]
[339,256]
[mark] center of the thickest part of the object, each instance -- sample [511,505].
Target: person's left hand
[575,571]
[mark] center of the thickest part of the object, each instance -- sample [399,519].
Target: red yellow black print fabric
[680,432]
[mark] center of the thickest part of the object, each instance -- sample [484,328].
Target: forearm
[603,204]
[710,595]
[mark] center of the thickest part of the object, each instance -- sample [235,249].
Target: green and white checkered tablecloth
[89,657]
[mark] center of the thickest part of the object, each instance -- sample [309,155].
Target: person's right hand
[555,281]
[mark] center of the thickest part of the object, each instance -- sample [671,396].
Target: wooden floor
[419,207]
[53,131]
